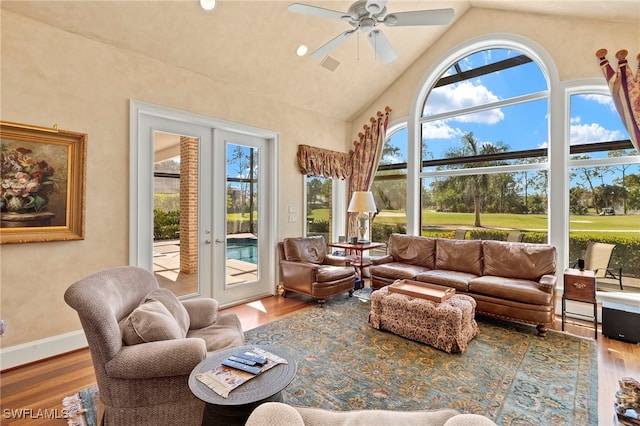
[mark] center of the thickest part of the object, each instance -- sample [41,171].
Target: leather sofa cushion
[459,255]
[306,249]
[453,279]
[518,260]
[397,270]
[412,250]
[519,290]
[332,273]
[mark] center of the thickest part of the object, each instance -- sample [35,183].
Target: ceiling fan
[366,16]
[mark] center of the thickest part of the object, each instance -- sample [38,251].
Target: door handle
[219,241]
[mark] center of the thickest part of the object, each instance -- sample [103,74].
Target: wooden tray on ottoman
[436,293]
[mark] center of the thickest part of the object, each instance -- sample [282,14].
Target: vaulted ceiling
[252,44]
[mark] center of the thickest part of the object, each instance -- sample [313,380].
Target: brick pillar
[188,205]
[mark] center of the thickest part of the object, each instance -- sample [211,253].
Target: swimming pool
[244,249]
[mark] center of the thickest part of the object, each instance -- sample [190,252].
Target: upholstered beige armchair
[305,267]
[144,343]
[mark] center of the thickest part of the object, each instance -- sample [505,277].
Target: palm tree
[477,184]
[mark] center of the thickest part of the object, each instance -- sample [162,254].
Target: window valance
[324,162]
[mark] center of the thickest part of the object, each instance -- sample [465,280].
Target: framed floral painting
[42,184]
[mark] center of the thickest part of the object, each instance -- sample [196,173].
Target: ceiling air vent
[330,63]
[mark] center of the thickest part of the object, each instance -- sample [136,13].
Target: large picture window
[484,135]
[604,185]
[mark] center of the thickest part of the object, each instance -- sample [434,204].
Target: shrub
[166,224]
[381,232]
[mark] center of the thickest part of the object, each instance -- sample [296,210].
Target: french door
[219,179]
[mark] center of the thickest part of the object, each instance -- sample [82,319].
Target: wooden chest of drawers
[580,285]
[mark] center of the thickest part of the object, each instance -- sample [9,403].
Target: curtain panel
[366,157]
[625,91]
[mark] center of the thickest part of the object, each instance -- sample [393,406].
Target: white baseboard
[14,356]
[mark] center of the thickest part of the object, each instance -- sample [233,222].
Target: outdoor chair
[145,342]
[460,234]
[597,258]
[515,237]
[305,267]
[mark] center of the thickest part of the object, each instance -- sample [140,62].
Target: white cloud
[590,133]
[466,94]
[440,130]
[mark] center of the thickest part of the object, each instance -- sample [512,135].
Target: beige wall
[49,76]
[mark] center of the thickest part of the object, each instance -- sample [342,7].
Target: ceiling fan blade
[419,17]
[382,47]
[305,9]
[322,51]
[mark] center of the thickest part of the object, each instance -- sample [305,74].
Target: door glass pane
[175,212]
[242,187]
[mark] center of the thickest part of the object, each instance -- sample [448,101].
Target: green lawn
[532,222]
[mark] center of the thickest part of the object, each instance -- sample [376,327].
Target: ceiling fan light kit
[365,16]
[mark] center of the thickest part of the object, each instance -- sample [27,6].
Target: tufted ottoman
[448,326]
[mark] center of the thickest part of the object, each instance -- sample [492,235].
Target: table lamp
[362,202]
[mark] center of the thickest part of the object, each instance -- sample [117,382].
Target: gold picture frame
[42,184]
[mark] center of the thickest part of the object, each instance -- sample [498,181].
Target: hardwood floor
[37,389]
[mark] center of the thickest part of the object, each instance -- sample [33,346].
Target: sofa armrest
[548,283]
[298,271]
[387,258]
[202,312]
[164,358]
[334,260]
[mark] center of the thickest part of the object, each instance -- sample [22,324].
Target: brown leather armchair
[305,267]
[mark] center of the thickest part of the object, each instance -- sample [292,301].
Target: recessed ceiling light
[208,4]
[301,50]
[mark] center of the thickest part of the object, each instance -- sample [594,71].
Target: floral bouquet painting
[42,183]
[26,183]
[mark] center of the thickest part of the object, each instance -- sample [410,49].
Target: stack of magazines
[238,369]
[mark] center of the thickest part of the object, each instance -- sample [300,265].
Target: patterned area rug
[508,373]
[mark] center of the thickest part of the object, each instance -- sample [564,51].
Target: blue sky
[521,126]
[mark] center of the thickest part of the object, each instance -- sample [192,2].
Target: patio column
[188,205]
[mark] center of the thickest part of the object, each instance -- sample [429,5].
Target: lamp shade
[362,202]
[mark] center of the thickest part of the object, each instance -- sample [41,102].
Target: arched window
[484,132]
[389,185]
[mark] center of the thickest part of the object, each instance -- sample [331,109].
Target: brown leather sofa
[305,267]
[509,280]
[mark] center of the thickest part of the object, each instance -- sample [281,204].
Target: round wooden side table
[235,409]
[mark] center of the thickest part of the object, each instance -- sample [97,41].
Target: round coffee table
[235,409]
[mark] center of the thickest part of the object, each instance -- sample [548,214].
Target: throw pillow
[173,304]
[149,322]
